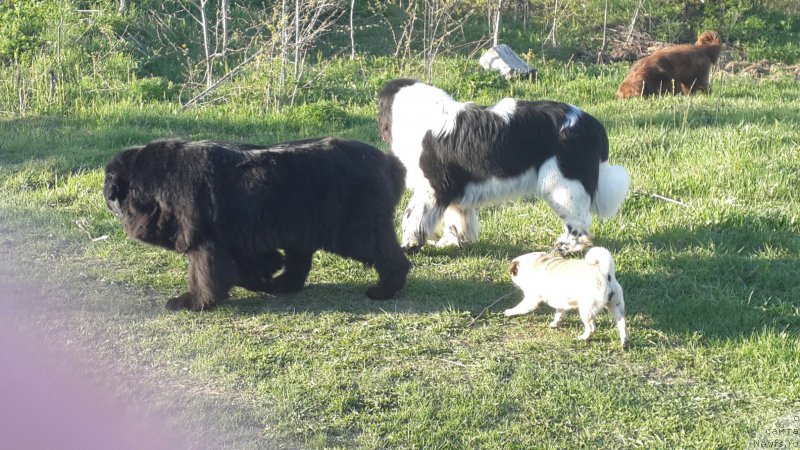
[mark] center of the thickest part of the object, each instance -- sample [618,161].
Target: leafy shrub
[322,112]
[153,88]
[22,23]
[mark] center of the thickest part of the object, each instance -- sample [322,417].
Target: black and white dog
[459,156]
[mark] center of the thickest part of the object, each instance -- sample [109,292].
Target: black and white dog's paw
[572,244]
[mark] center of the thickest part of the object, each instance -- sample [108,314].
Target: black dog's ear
[115,190]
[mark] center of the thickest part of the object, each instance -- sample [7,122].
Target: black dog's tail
[397,177]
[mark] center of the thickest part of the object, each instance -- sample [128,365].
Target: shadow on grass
[722,280]
[420,296]
[729,294]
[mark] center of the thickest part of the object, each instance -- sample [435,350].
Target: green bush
[322,112]
[22,27]
[153,88]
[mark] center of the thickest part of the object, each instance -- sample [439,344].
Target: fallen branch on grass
[487,308]
[671,200]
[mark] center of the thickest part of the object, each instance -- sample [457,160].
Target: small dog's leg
[588,325]
[420,219]
[460,227]
[557,318]
[616,306]
[528,304]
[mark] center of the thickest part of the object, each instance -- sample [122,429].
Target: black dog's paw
[377,293]
[285,285]
[183,301]
[186,301]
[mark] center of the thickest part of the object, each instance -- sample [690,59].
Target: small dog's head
[525,263]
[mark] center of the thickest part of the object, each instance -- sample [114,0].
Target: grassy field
[707,248]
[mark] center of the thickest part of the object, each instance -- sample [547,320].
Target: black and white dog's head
[386,101]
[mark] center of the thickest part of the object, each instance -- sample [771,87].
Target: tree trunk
[497,22]
[204,24]
[284,42]
[224,11]
[296,39]
[352,38]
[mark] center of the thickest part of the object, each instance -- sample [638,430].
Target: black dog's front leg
[255,272]
[212,273]
[297,264]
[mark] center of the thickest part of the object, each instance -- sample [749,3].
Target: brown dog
[680,68]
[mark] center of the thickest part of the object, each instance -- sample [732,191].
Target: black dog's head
[132,193]
[116,188]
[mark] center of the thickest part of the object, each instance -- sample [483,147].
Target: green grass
[710,283]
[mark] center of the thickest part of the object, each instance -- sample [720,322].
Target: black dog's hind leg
[212,273]
[377,246]
[297,264]
[255,273]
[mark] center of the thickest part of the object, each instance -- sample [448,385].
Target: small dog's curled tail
[603,259]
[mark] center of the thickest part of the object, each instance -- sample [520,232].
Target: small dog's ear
[514,268]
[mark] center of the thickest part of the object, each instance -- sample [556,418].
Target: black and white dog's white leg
[575,237]
[460,227]
[421,218]
[569,199]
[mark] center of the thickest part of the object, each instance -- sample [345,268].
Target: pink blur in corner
[46,404]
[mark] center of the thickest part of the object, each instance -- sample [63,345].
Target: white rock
[504,60]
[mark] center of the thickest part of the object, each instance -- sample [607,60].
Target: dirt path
[64,381]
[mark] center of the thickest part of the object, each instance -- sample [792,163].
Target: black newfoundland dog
[232,207]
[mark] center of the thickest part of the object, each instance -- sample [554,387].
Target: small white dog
[587,284]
